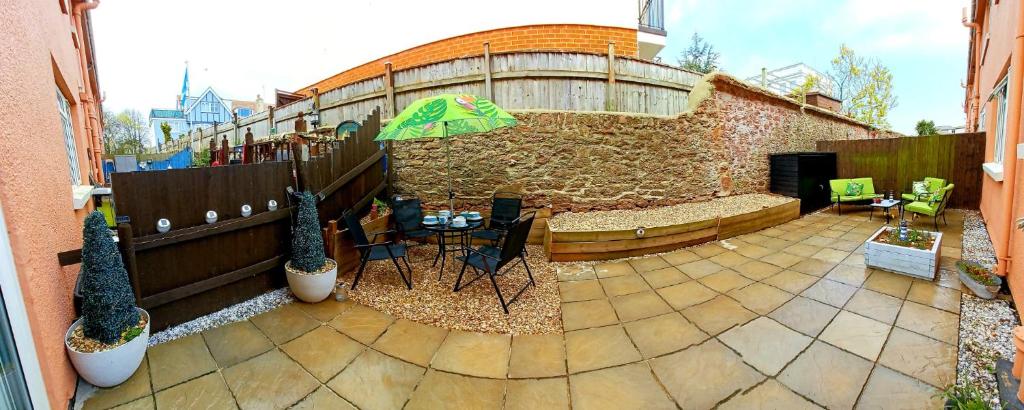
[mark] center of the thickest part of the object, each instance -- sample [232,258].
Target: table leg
[443,251]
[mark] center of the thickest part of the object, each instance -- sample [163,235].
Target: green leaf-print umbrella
[443,116]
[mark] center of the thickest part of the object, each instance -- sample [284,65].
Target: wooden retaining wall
[604,245]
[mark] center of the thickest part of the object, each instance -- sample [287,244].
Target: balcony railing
[652,15]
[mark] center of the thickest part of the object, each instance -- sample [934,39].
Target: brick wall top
[547,37]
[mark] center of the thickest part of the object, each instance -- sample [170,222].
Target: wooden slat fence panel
[197,268]
[895,163]
[522,80]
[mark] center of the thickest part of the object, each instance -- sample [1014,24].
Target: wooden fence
[197,268]
[346,174]
[523,80]
[894,163]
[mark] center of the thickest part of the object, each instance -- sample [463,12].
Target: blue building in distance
[198,111]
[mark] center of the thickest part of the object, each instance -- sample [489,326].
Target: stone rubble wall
[582,161]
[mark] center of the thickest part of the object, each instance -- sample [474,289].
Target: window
[69,138]
[1000,132]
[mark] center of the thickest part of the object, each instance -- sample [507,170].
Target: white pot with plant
[107,344]
[311,275]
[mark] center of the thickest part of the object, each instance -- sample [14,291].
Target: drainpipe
[86,96]
[976,65]
[1014,98]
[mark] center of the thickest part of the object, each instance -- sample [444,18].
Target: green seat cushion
[909,197]
[934,184]
[869,185]
[921,208]
[838,186]
[854,189]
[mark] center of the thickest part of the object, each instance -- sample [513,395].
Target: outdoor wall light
[163,225]
[246,210]
[640,232]
[272,205]
[211,217]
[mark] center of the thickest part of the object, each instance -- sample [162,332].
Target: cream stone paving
[788,317]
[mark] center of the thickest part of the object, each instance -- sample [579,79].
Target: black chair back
[408,213]
[355,228]
[505,209]
[515,240]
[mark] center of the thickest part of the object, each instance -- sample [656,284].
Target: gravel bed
[234,313]
[986,326]
[663,216]
[475,307]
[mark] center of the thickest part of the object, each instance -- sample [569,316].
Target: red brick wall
[549,37]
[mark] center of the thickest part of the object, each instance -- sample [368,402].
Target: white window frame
[994,168]
[64,108]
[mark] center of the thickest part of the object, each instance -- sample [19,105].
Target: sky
[142,46]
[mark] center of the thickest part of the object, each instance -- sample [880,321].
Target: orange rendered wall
[548,37]
[38,52]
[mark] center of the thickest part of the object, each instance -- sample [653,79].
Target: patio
[788,316]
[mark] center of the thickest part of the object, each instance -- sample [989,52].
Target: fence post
[610,101]
[224,150]
[247,149]
[488,87]
[389,92]
[331,232]
[126,245]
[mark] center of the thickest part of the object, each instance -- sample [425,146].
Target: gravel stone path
[985,325]
[663,216]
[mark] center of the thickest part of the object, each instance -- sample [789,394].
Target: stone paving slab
[788,317]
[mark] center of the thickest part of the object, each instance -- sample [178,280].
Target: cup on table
[445,213]
[459,221]
[878,200]
[430,219]
[442,218]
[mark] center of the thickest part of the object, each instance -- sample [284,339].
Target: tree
[124,132]
[926,128]
[864,87]
[165,128]
[800,92]
[307,244]
[700,56]
[108,303]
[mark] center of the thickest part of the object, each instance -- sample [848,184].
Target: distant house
[195,112]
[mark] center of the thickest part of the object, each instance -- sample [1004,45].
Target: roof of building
[165,113]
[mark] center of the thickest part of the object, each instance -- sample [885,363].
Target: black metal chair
[505,210]
[373,251]
[408,213]
[490,260]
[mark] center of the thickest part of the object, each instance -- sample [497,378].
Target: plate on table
[430,223]
[474,219]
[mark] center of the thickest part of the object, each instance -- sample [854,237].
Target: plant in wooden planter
[311,275]
[107,344]
[916,255]
[979,279]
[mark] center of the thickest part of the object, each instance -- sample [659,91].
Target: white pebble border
[234,313]
[985,325]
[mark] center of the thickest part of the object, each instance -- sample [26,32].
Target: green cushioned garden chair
[934,206]
[934,185]
[842,192]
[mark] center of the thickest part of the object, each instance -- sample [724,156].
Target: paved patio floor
[788,317]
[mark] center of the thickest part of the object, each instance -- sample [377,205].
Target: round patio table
[451,239]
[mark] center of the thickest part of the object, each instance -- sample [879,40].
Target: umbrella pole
[448,153]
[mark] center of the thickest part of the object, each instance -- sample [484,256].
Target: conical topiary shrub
[307,244]
[108,303]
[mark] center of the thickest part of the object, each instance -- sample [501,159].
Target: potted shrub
[979,279]
[107,344]
[311,275]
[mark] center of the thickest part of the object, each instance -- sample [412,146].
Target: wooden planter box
[920,263]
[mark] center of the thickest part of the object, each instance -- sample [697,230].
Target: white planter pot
[311,288]
[109,367]
[920,263]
